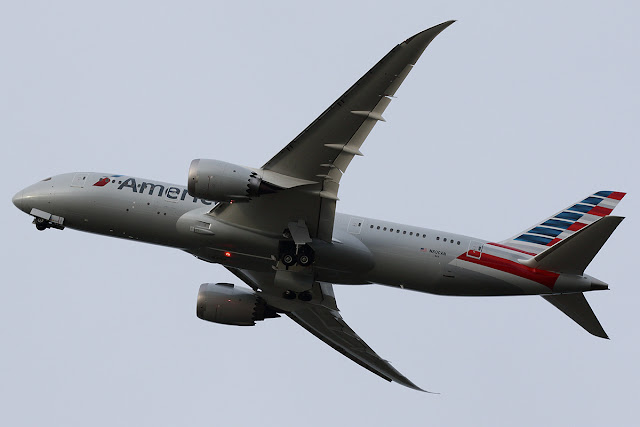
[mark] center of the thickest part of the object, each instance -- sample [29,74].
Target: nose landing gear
[44,220]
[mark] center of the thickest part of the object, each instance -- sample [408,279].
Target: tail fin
[566,243]
[573,254]
[577,308]
[565,223]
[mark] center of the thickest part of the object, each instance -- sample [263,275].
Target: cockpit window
[46,179]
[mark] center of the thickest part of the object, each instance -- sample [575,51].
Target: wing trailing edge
[323,320]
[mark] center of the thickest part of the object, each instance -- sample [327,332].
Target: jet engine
[225,182]
[227,304]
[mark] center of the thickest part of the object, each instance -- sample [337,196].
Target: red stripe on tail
[616,195]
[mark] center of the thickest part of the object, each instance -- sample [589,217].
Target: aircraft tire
[305,296]
[304,260]
[41,224]
[289,295]
[289,260]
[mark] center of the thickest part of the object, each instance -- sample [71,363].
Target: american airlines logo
[171,193]
[102,182]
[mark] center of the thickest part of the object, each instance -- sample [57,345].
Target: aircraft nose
[38,196]
[18,200]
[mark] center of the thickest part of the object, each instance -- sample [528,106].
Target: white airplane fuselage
[363,250]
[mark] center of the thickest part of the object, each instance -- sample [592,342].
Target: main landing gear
[292,254]
[305,296]
[294,261]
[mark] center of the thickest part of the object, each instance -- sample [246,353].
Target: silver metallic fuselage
[363,250]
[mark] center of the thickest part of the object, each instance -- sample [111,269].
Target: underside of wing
[322,152]
[329,326]
[321,317]
[335,137]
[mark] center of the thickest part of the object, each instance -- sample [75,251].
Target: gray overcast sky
[512,113]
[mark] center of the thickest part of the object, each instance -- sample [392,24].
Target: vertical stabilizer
[573,254]
[577,308]
[556,228]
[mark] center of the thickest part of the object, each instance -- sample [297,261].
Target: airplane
[276,229]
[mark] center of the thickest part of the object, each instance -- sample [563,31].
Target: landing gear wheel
[289,295]
[41,224]
[305,296]
[305,256]
[304,260]
[288,259]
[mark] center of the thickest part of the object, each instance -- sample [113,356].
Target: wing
[322,152]
[321,317]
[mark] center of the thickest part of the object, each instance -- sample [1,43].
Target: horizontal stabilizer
[573,254]
[577,308]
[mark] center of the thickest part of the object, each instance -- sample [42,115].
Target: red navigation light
[227,254]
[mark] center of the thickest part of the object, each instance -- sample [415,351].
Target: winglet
[431,32]
[423,39]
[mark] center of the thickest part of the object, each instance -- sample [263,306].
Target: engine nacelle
[224,303]
[225,182]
